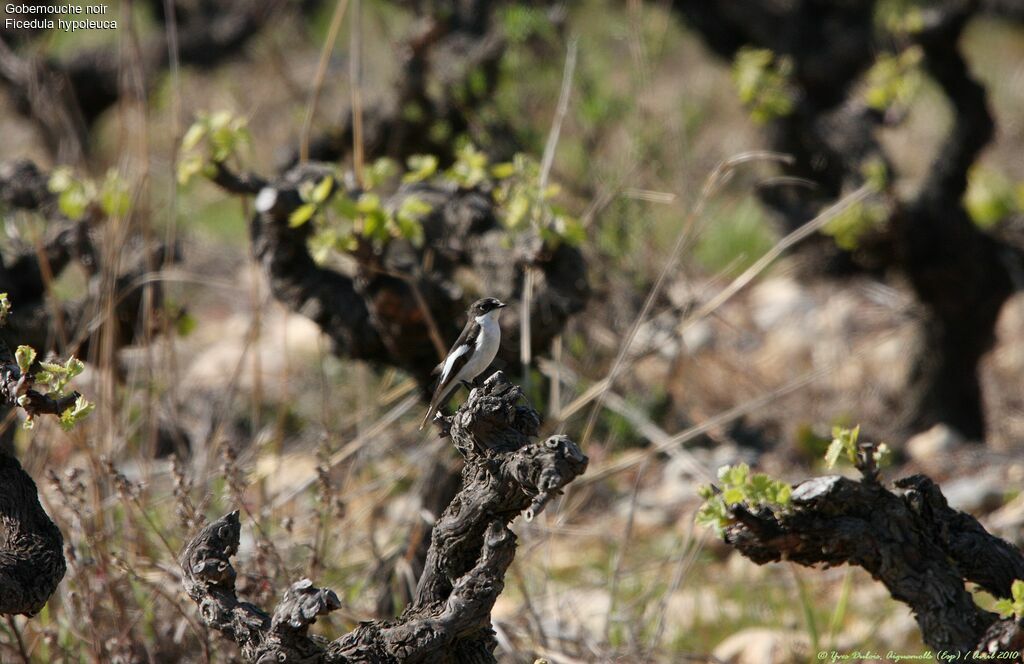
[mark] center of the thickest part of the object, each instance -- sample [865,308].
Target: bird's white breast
[486,346]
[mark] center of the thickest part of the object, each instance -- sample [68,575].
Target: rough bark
[506,473]
[960,275]
[906,537]
[373,313]
[31,546]
[381,311]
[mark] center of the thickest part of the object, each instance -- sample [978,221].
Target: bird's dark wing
[457,355]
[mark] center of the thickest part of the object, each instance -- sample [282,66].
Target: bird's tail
[429,416]
[435,403]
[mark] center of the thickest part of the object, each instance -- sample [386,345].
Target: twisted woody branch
[907,537]
[506,473]
[382,309]
[960,274]
[396,306]
[31,546]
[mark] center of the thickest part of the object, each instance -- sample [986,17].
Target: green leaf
[60,180]
[322,190]
[185,324]
[375,225]
[470,167]
[990,197]
[733,495]
[503,170]
[346,207]
[220,119]
[211,139]
[1004,608]
[762,82]
[414,207]
[848,227]
[322,243]
[74,366]
[835,448]
[714,514]
[516,211]
[75,414]
[192,137]
[115,199]
[421,167]
[301,215]
[25,356]
[783,494]
[380,171]
[189,167]
[74,201]
[735,475]
[570,229]
[894,79]
[844,441]
[57,376]
[225,134]
[876,174]
[410,229]
[368,202]
[5,308]
[739,486]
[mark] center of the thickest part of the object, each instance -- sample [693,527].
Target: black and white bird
[472,353]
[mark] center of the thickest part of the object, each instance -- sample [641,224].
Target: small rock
[657,335]
[1009,519]
[978,493]
[928,446]
[778,300]
[760,645]
[697,336]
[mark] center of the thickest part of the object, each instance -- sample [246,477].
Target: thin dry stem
[318,78]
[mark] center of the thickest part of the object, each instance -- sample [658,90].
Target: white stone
[927,446]
[779,300]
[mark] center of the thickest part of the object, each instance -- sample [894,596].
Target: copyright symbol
[822,655]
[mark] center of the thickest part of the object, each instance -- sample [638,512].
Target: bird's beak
[502,305]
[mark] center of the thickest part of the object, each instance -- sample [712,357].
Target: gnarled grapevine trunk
[960,275]
[506,473]
[906,537]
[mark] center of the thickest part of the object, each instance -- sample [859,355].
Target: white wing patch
[447,370]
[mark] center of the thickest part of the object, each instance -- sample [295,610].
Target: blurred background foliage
[241,402]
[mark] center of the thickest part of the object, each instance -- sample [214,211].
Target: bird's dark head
[485,305]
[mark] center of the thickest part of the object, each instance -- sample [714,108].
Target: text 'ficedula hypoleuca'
[472,353]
